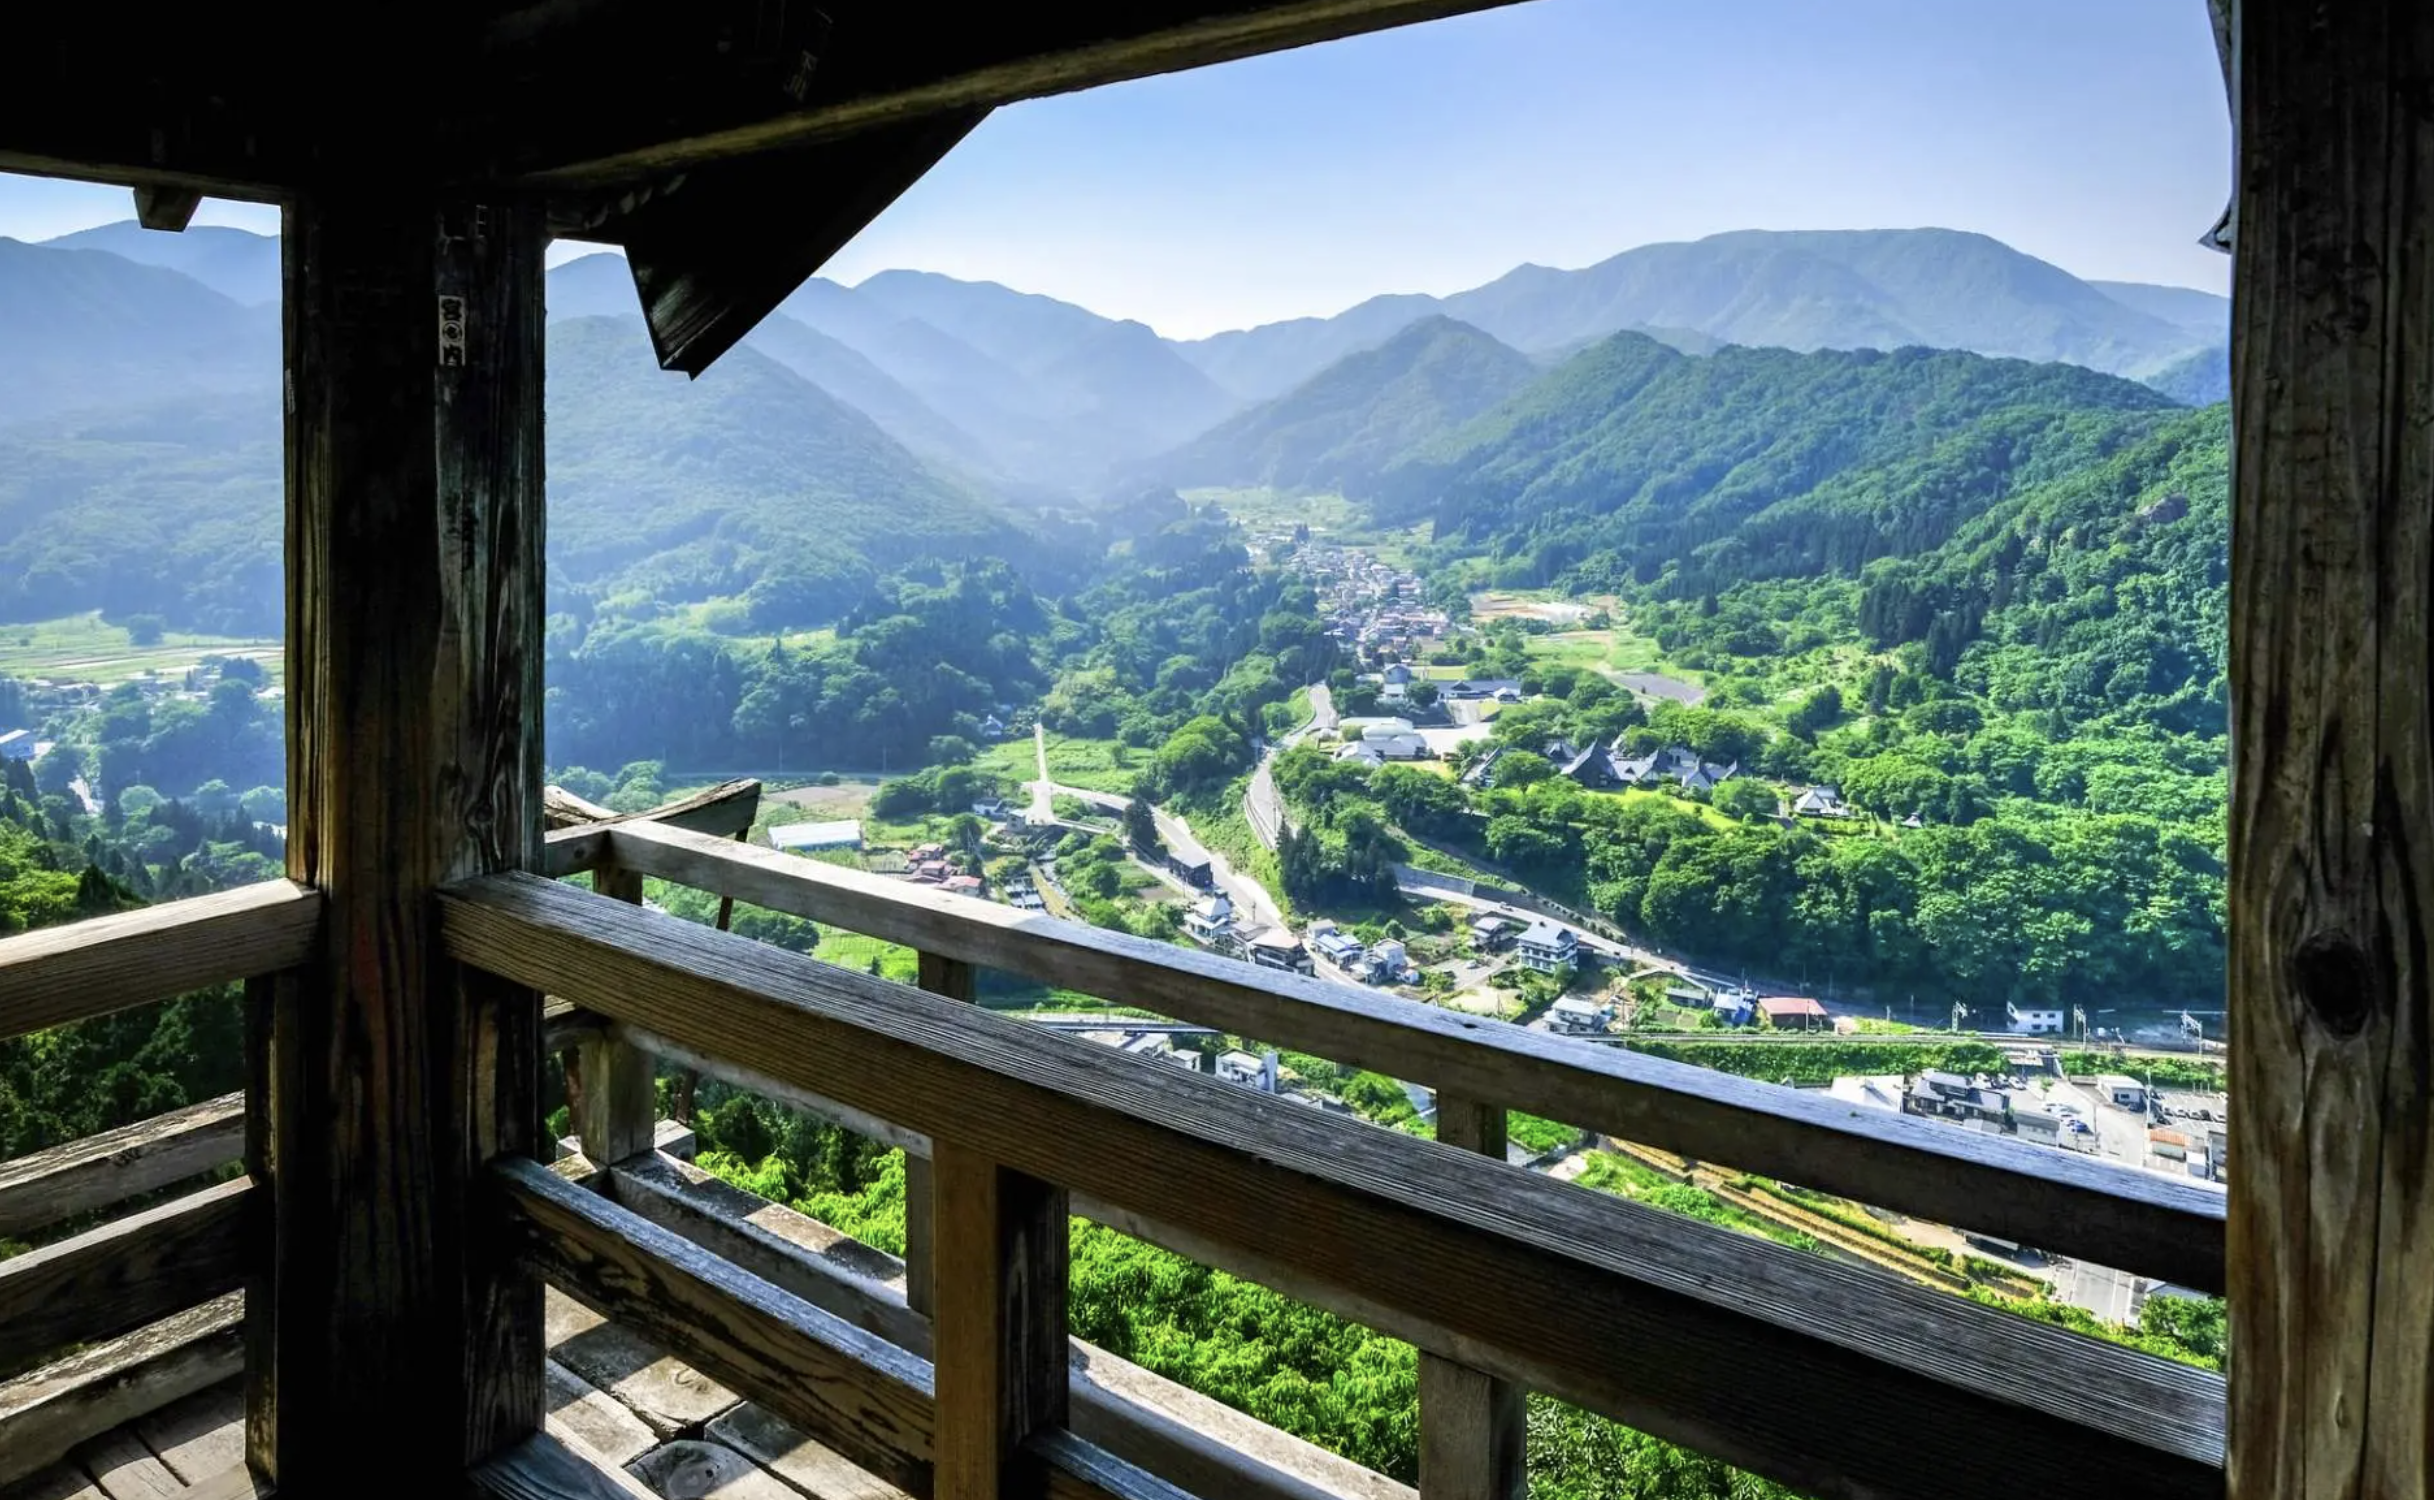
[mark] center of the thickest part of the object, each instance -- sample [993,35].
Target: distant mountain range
[862,426]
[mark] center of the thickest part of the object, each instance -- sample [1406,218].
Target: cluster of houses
[1386,961]
[1211,922]
[1374,611]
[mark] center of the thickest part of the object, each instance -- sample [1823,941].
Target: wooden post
[414,573]
[998,1328]
[2332,819]
[1474,1429]
[955,980]
[616,1108]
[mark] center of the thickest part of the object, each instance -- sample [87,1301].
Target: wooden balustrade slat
[1540,1282]
[54,975]
[1208,1448]
[1474,1428]
[48,1411]
[955,981]
[101,1170]
[2060,1201]
[613,1087]
[998,1331]
[122,1275]
[868,1399]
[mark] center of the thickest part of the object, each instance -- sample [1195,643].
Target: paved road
[1261,805]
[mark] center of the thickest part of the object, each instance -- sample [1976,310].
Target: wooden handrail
[100,1170]
[870,1400]
[48,1411]
[54,975]
[577,837]
[1552,1286]
[2063,1202]
[122,1275]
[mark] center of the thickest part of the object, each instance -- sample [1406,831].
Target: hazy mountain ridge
[1352,419]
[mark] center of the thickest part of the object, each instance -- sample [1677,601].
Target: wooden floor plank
[201,1436]
[542,1468]
[804,1463]
[702,1471]
[665,1392]
[583,1416]
[58,1482]
[126,1470]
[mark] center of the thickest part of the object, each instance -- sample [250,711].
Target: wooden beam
[106,1169]
[715,257]
[1474,1428]
[575,123]
[998,1334]
[857,1393]
[956,981]
[54,975]
[415,601]
[2332,812]
[166,208]
[612,1085]
[1186,1438]
[45,1413]
[2063,1202]
[1539,1282]
[543,1468]
[122,1275]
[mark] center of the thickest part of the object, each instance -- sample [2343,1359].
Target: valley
[1819,683]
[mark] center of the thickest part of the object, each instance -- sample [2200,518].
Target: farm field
[83,648]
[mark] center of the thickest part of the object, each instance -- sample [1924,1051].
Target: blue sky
[2090,132]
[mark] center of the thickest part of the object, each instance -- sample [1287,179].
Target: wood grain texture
[2332,816]
[905,64]
[122,1275]
[199,1436]
[1474,1428]
[54,975]
[1206,1447]
[1529,1279]
[955,980]
[414,573]
[124,1469]
[859,1394]
[612,1086]
[49,1411]
[543,1468]
[998,1330]
[2062,1201]
[109,1168]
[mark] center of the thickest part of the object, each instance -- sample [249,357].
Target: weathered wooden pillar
[2332,820]
[956,980]
[616,1112]
[401,1344]
[998,1335]
[1474,1428]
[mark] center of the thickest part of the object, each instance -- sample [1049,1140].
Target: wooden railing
[1835,1379]
[145,1307]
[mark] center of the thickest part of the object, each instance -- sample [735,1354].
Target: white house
[810,838]
[1210,919]
[1821,802]
[1571,1016]
[1249,1071]
[2034,1021]
[1388,959]
[1395,744]
[1547,947]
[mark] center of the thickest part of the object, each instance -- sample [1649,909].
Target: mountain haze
[1827,289]
[1340,427]
[237,263]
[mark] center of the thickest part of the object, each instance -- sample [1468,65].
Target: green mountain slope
[850,376]
[750,480]
[1343,425]
[237,263]
[1632,457]
[1855,289]
[88,329]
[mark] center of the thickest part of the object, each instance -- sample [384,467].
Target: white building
[1388,959]
[1571,1016]
[1159,1047]
[1210,919]
[810,838]
[1547,947]
[2121,1091]
[2034,1021]
[1249,1071]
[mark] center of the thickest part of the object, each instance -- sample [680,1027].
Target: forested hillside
[1633,458]
[1337,429]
